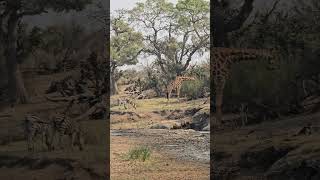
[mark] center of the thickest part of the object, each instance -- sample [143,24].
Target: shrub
[139,153]
[193,89]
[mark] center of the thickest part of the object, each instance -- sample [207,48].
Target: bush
[139,153]
[196,89]
[193,89]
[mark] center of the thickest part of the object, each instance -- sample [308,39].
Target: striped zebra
[70,127]
[35,126]
[125,103]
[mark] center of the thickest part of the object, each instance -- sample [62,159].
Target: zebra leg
[49,141]
[31,141]
[80,141]
[60,141]
[43,140]
[73,138]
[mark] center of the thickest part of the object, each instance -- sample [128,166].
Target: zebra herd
[47,129]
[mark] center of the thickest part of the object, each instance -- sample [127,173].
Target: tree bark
[17,90]
[113,87]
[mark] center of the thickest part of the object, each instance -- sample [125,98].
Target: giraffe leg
[169,94]
[30,141]
[219,108]
[178,92]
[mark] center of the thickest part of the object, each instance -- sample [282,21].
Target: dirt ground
[175,153]
[160,166]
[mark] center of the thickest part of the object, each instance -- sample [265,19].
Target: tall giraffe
[224,58]
[176,85]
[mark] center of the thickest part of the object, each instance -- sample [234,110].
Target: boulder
[148,94]
[295,169]
[207,128]
[160,126]
[176,114]
[201,119]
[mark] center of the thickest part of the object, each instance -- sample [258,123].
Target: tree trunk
[17,91]
[217,25]
[113,87]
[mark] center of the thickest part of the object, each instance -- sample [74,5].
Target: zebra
[35,126]
[125,102]
[67,126]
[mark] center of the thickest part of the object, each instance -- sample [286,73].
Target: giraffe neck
[235,55]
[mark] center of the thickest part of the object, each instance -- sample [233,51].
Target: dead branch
[90,111]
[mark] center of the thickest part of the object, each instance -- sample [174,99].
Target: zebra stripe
[66,126]
[35,126]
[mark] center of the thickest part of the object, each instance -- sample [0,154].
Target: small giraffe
[224,58]
[176,85]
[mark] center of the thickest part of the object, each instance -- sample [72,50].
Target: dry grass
[158,166]
[159,104]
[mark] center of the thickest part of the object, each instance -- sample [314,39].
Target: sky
[125,4]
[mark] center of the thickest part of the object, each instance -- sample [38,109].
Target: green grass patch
[142,153]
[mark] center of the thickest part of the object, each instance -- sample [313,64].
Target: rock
[191,112]
[159,126]
[148,94]
[176,114]
[295,169]
[207,128]
[263,158]
[183,123]
[200,119]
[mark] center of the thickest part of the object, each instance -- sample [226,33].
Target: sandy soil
[176,153]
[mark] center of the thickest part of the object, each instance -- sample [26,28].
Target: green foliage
[27,42]
[173,34]
[192,89]
[197,89]
[126,43]
[57,39]
[139,153]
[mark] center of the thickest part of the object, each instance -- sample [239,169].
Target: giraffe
[176,85]
[224,58]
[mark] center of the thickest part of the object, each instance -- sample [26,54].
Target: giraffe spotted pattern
[176,85]
[221,61]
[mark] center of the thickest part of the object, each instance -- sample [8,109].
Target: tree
[126,45]
[11,13]
[223,23]
[173,34]
[62,43]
